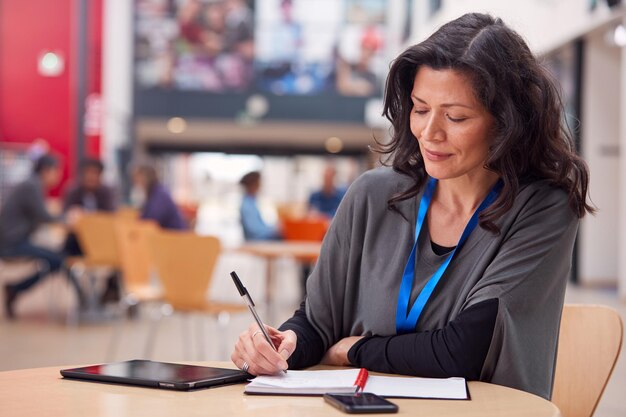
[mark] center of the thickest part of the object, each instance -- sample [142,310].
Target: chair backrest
[305,229]
[590,340]
[184,262]
[135,258]
[127,212]
[96,235]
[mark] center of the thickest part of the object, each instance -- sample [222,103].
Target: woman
[252,223]
[156,202]
[485,195]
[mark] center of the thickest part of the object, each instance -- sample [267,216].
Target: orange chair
[305,229]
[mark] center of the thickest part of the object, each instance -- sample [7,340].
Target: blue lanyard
[405,323]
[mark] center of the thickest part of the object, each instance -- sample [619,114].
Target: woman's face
[451,125]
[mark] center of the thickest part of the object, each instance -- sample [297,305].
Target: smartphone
[364,402]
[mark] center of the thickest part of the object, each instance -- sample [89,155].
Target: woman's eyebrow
[444,104]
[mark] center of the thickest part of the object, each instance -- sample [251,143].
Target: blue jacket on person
[326,203]
[254,227]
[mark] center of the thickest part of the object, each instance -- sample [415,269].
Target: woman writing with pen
[452,261]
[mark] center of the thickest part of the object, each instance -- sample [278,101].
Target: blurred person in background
[359,78]
[23,212]
[88,193]
[155,201]
[326,201]
[254,227]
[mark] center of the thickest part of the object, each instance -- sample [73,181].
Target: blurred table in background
[301,251]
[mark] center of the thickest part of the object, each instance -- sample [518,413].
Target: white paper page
[308,379]
[448,388]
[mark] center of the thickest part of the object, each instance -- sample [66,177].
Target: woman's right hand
[262,359]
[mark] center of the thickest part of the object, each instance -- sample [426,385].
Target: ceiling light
[257,106]
[333,144]
[176,125]
[50,63]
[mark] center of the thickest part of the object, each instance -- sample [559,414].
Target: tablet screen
[156,371]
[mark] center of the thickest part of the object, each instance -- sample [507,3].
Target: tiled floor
[36,340]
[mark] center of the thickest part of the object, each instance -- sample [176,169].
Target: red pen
[361,380]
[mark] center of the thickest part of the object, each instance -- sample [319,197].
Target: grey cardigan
[353,289]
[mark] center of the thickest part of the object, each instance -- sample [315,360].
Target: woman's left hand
[337,355]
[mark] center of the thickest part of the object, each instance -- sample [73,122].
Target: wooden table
[271,250]
[43,392]
[300,250]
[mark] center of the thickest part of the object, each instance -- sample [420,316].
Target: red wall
[33,106]
[94,67]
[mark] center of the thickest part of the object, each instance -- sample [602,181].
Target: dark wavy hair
[530,141]
[89,163]
[148,170]
[45,162]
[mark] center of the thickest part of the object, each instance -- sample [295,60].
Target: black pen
[246,296]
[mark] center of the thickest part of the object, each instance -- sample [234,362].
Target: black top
[458,349]
[102,198]
[441,250]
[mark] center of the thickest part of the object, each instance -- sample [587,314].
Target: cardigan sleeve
[528,276]
[459,349]
[309,347]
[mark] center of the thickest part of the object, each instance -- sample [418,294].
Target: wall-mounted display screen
[272,47]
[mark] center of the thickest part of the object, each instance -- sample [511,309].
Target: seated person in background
[155,201]
[22,213]
[326,201]
[254,227]
[88,193]
[485,193]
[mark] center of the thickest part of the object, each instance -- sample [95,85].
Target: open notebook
[344,381]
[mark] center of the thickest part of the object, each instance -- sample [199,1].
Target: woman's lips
[436,156]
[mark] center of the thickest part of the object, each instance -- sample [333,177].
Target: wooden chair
[184,263]
[127,212]
[96,234]
[135,260]
[590,340]
[136,267]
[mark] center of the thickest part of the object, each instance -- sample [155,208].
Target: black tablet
[158,374]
